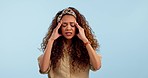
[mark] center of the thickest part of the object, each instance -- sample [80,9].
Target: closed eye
[64,24]
[72,24]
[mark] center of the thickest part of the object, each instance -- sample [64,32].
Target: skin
[68,26]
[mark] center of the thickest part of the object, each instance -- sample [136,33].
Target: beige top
[64,70]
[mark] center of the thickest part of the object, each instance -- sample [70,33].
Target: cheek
[62,30]
[74,30]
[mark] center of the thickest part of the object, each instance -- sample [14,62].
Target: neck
[68,42]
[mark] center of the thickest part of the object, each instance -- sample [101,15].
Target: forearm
[95,59]
[46,56]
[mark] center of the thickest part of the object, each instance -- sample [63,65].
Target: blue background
[121,26]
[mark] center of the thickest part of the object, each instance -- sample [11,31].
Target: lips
[68,33]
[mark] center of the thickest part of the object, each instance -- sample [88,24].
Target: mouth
[68,33]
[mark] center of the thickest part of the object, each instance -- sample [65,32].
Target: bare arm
[95,59]
[45,58]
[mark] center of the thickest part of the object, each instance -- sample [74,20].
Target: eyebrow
[67,22]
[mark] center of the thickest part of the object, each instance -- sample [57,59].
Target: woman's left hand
[81,33]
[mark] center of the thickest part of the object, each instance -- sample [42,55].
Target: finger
[59,25]
[77,25]
[78,35]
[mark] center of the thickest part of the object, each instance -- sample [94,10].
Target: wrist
[50,40]
[86,41]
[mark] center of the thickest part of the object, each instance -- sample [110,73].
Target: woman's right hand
[55,33]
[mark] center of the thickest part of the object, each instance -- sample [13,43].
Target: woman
[69,47]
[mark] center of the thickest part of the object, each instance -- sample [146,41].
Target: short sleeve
[39,60]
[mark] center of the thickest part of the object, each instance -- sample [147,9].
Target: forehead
[68,18]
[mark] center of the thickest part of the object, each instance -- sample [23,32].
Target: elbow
[43,70]
[98,66]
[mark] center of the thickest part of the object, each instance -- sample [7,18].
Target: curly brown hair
[78,53]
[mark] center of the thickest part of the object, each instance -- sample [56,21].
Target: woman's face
[68,26]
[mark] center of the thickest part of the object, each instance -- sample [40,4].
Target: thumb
[60,35]
[78,35]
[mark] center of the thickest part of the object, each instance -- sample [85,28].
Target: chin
[69,37]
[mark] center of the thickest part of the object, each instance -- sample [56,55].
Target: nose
[68,27]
